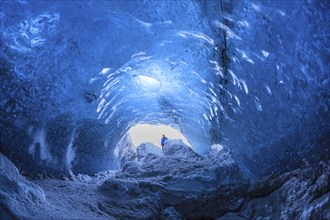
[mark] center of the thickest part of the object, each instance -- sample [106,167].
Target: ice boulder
[19,198]
[220,154]
[131,167]
[146,148]
[130,199]
[170,214]
[179,149]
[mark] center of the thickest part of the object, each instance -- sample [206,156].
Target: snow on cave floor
[147,189]
[175,184]
[76,198]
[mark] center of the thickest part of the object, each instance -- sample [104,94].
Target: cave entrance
[142,133]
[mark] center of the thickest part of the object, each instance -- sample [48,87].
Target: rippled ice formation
[76,76]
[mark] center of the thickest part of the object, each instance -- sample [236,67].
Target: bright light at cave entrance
[142,133]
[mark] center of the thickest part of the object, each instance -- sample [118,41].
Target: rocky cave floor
[177,184]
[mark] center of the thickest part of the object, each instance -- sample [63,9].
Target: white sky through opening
[142,133]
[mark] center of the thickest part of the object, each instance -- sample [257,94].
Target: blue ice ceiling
[251,75]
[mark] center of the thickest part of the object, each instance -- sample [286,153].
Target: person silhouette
[162,142]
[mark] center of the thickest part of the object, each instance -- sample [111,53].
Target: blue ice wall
[75,76]
[281,50]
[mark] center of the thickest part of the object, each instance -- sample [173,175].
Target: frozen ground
[176,184]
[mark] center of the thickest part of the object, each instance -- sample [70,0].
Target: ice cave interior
[84,83]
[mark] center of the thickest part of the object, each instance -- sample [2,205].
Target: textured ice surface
[177,182]
[247,83]
[179,186]
[147,148]
[20,198]
[76,76]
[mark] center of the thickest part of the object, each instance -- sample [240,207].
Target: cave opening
[143,133]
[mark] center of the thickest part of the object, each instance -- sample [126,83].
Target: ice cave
[89,87]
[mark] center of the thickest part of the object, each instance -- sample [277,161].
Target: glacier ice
[76,76]
[19,198]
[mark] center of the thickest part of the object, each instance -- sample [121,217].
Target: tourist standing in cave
[162,142]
